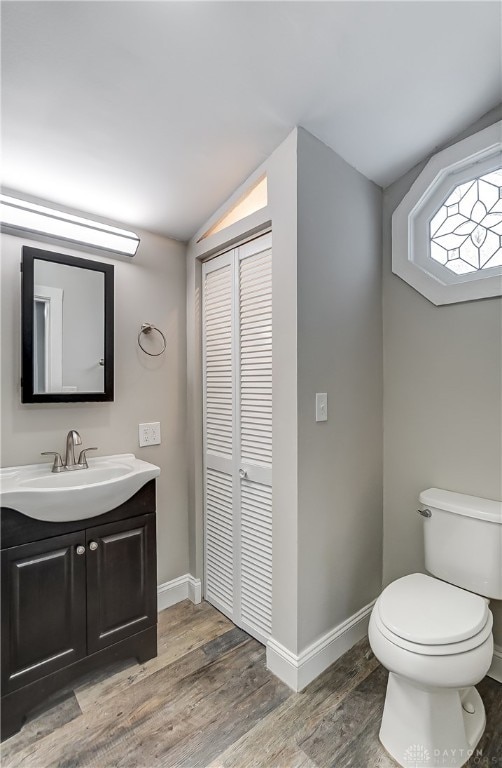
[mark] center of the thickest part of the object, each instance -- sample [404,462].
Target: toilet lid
[424,610]
[448,649]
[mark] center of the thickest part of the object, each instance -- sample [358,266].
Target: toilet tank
[463,540]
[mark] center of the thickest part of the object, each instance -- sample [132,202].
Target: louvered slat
[219,539]
[255,294]
[256,556]
[218,379]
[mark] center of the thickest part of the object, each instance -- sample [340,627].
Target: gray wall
[339,352]
[327,488]
[148,288]
[442,400]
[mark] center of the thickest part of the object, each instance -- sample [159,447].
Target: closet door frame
[230,256]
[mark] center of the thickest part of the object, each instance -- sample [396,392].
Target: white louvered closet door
[254,420]
[237,350]
[219,428]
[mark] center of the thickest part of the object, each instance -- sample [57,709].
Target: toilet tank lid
[461,504]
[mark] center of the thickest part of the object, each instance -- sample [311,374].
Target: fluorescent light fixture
[39,220]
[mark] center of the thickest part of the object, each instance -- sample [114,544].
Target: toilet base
[431,728]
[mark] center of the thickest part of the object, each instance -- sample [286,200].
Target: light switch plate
[321,406]
[149,433]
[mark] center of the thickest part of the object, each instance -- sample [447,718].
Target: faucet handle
[82,459]
[58,462]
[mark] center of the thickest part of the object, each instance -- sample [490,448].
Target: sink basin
[56,497]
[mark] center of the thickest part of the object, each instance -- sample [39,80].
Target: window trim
[471,157]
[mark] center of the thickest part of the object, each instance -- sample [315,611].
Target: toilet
[434,634]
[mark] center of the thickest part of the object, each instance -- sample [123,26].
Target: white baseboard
[194,589]
[283,663]
[298,671]
[183,588]
[495,670]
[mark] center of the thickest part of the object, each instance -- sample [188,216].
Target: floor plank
[208,700]
[170,691]
[191,630]
[274,739]
[220,726]
[344,725]
[182,720]
[59,709]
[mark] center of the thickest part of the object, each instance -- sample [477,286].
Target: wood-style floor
[208,700]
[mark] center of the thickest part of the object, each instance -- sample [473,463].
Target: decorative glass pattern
[466,232]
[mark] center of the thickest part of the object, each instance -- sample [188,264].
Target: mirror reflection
[68,328]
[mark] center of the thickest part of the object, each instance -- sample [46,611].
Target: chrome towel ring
[148,328]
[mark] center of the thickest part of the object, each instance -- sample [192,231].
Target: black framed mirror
[67,328]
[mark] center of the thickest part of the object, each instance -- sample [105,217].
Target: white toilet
[434,635]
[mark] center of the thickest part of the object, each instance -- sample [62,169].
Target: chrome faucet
[72,439]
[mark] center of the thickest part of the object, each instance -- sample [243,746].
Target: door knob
[243,474]
[80,549]
[93,545]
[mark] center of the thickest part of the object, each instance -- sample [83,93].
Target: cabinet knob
[80,549]
[93,545]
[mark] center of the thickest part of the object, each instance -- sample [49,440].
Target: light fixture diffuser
[23,216]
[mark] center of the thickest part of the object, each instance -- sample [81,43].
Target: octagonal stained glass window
[466,232]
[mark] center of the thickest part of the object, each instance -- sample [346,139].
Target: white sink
[62,496]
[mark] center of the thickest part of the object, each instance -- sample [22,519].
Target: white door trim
[53,299]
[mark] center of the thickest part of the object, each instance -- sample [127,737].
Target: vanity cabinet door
[43,608]
[121,580]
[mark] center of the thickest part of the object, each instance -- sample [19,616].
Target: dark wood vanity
[75,596]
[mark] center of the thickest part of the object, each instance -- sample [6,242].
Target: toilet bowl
[436,641]
[434,633]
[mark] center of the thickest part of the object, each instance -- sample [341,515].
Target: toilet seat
[426,616]
[446,649]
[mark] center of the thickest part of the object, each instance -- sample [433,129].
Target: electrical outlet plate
[155,432]
[149,434]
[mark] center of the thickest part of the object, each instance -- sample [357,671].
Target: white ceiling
[152,113]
